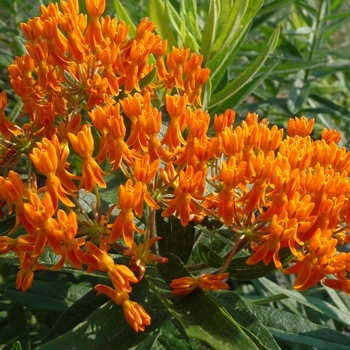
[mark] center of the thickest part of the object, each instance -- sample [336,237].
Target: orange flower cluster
[104,102]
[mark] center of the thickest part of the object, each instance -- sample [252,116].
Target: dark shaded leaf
[176,239]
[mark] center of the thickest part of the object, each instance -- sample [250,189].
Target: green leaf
[298,93]
[230,18]
[113,181]
[48,296]
[122,15]
[297,330]
[188,39]
[242,313]
[148,78]
[106,328]
[168,338]
[160,18]
[16,346]
[200,315]
[241,271]
[16,111]
[176,239]
[17,319]
[248,74]
[244,92]
[76,314]
[238,21]
[20,44]
[6,225]
[174,17]
[314,303]
[209,256]
[209,30]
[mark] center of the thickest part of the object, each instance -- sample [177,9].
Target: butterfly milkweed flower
[129,199]
[188,188]
[141,255]
[187,284]
[98,259]
[83,144]
[7,128]
[134,313]
[45,159]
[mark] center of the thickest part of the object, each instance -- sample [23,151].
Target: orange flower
[176,107]
[67,245]
[141,255]
[112,128]
[134,313]
[111,59]
[23,243]
[93,34]
[278,235]
[221,122]
[186,285]
[39,214]
[83,144]
[145,172]
[129,198]
[13,191]
[151,123]
[97,92]
[133,107]
[182,204]
[331,135]
[231,175]
[302,127]
[7,129]
[120,275]
[136,65]
[316,262]
[45,159]
[26,273]
[73,24]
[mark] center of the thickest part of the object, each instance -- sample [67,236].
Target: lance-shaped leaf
[122,15]
[242,313]
[160,18]
[106,327]
[176,239]
[199,314]
[209,30]
[244,92]
[237,19]
[291,329]
[241,271]
[248,74]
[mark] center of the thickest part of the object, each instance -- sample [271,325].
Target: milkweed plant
[107,112]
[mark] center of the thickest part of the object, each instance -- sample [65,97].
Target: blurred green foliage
[307,73]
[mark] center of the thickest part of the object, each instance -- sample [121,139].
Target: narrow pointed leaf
[199,314]
[160,18]
[314,303]
[176,239]
[248,74]
[209,30]
[106,328]
[209,256]
[244,92]
[174,17]
[241,271]
[122,15]
[298,330]
[242,313]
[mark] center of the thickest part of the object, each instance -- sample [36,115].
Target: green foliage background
[305,72]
